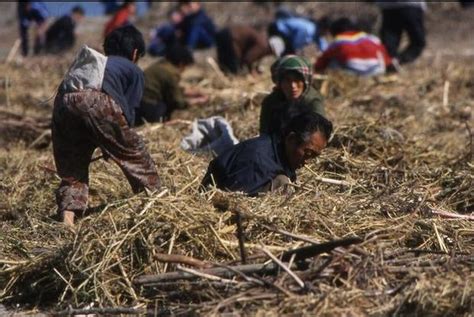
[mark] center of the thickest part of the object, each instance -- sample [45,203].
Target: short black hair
[304,122]
[123,41]
[78,10]
[126,3]
[342,25]
[178,54]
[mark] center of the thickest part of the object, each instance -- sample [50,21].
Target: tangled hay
[401,157]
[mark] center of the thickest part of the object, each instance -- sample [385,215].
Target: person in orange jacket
[121,17]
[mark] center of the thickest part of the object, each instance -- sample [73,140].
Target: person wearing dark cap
[61,36]
[95,107]
[269,162]
[292,76]
[162,94]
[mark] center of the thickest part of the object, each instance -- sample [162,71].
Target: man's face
[292,85]
[298,154]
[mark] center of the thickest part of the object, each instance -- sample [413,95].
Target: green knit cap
[295,63]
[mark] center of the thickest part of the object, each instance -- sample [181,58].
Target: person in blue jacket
[196,30]
[296,31]
[32,12]
[268,162]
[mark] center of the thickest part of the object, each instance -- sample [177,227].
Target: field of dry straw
[403,147]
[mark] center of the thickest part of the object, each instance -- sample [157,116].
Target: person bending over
[61,36]
[162,94]
[292,76]
[354,51]
[270,161]
[95,107]
[240,46]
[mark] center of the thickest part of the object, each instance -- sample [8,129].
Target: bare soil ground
[403,146]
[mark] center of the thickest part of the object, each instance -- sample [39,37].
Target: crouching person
[269,161]
[163,94]
[95,107]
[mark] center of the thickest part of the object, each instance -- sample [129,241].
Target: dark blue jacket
[124,82]
[198,30]
[249,166]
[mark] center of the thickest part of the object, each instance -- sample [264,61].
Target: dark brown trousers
[83,121]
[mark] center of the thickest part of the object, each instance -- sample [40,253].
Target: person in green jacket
[292,76]
[162,94]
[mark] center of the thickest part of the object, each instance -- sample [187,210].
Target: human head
[130,5]
[125,41]
[175,16]
[341,25]
[188,7]
[179,55]
[305,136]
[292,67]
[77,14]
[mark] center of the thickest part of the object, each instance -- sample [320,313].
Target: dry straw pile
[402,153]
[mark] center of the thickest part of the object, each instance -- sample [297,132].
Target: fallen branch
[181,259]
[448,214]
[283,266]
[150,280]
[102,311]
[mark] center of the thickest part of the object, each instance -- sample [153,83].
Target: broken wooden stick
[260,269]
[448,214]
[283,266]
[241,237]
[316,249]
[150,280]
[181,259]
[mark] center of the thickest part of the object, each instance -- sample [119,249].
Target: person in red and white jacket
[354,51]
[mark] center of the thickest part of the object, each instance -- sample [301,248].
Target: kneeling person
[261,164]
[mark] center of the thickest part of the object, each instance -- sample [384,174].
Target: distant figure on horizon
[354,51]
[403,16]
[196,30]
[28,12]
[61,36]
[122,17]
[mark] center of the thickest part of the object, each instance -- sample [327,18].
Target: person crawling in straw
[292,76]
[95,107]
[269,162]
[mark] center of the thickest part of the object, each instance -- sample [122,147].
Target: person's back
[60,35]
[163,94]
[249,166]
[197,28]
[240,45]
[357,52]
[269,161]
[94,107]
